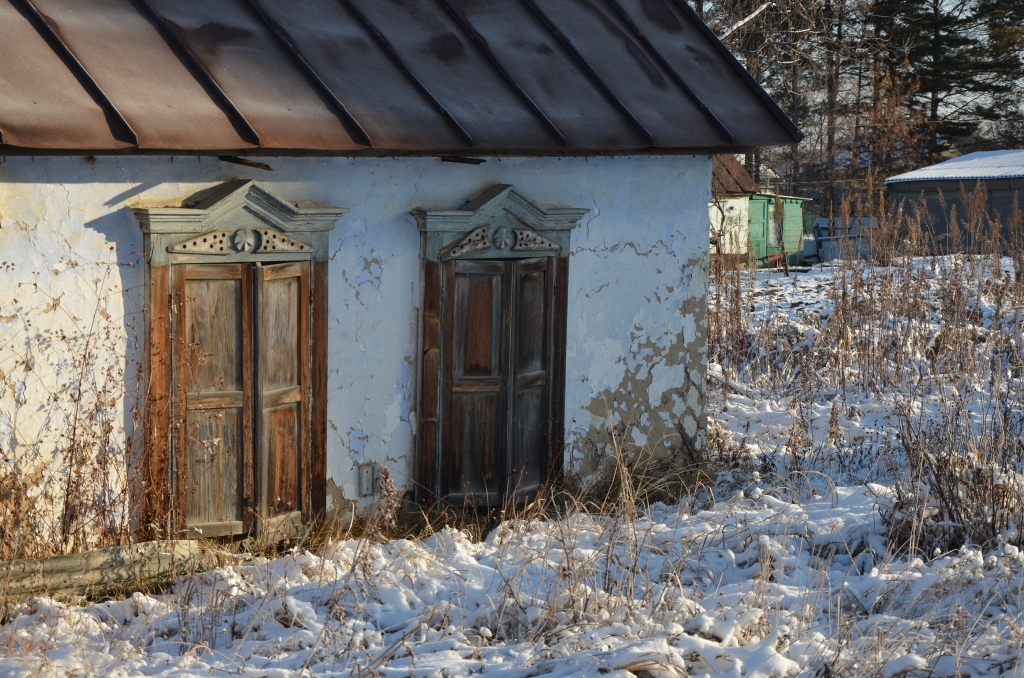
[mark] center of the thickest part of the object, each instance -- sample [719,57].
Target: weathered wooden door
[282,391]
[241,389]
[497,428]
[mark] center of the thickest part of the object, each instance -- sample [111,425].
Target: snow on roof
[980,165]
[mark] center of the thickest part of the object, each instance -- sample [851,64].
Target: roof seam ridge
[386,45]
[563,39]
[477,39]
[232,110]
[344,115]
[89,83]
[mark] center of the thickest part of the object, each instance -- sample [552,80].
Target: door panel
[212,350]
[282,386]
[475,384]
[530,419]
[280,427]
[212,456]
[496,434]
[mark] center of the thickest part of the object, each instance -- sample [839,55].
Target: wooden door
[213,384]
[241,392]
[497,406]
[529,379]
[282,390]
[474,426]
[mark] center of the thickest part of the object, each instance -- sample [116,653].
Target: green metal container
[764,233]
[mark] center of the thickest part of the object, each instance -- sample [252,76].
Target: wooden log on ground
[94,573]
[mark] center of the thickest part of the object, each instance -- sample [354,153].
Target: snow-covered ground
[788,573]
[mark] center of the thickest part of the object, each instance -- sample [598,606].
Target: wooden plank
[305,435]
[559,268]
[211,466]
[318,396]
[282,334]
[213,329]
[477,385]
[447,464]
[155,494]
[179,416]
[212,271]
[97,572]
[282,396]
[430,380]
[215,400]
[287,270]
[247,454]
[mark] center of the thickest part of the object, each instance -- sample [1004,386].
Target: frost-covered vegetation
[861,515]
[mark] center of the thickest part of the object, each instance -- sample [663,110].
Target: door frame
[498,223]
[234,222]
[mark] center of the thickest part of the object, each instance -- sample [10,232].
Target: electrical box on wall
[369,479]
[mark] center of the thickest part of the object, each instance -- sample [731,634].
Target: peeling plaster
[637,272]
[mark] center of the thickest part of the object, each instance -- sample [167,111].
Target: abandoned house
[273,247]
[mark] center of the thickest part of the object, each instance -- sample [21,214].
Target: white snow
[773,579]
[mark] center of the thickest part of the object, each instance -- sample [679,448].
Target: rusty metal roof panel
[729,177]
[546,69]
[711,71]
[256,72]
[359,71]
[442,55]
[43,104]
[374,76]
[145,80]
[618,58]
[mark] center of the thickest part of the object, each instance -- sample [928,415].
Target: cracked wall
[638,274]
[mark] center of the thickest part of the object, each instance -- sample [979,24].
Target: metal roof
[729,177]
[373,77]
[980,165]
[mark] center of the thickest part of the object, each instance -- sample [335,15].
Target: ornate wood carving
[272,241]
[531,241]
[249,231]
[214,242]
[475,241]
[500,223]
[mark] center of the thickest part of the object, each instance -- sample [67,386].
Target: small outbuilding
[744,219]
[732,187]
[252,253]
[942,188]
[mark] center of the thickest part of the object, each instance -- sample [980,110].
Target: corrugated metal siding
[374,76]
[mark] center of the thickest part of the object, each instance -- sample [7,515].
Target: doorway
[240,433]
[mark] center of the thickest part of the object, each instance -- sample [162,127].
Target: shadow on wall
[70,353]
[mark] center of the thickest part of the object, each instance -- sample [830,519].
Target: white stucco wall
[730,222]
[637,275]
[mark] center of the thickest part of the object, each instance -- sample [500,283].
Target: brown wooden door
[282,392]
[529,380]
[241,392]
[496,434]
[213,383]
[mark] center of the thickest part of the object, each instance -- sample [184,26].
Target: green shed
[764,234]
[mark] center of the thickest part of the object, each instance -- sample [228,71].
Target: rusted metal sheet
[728,177]
[374,76]
[428,39]
[146,81]
[712,75]
[535,58]
[42,104]
[256,72]
[618,58]
[365,78]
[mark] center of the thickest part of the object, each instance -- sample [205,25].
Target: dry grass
[936,337]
